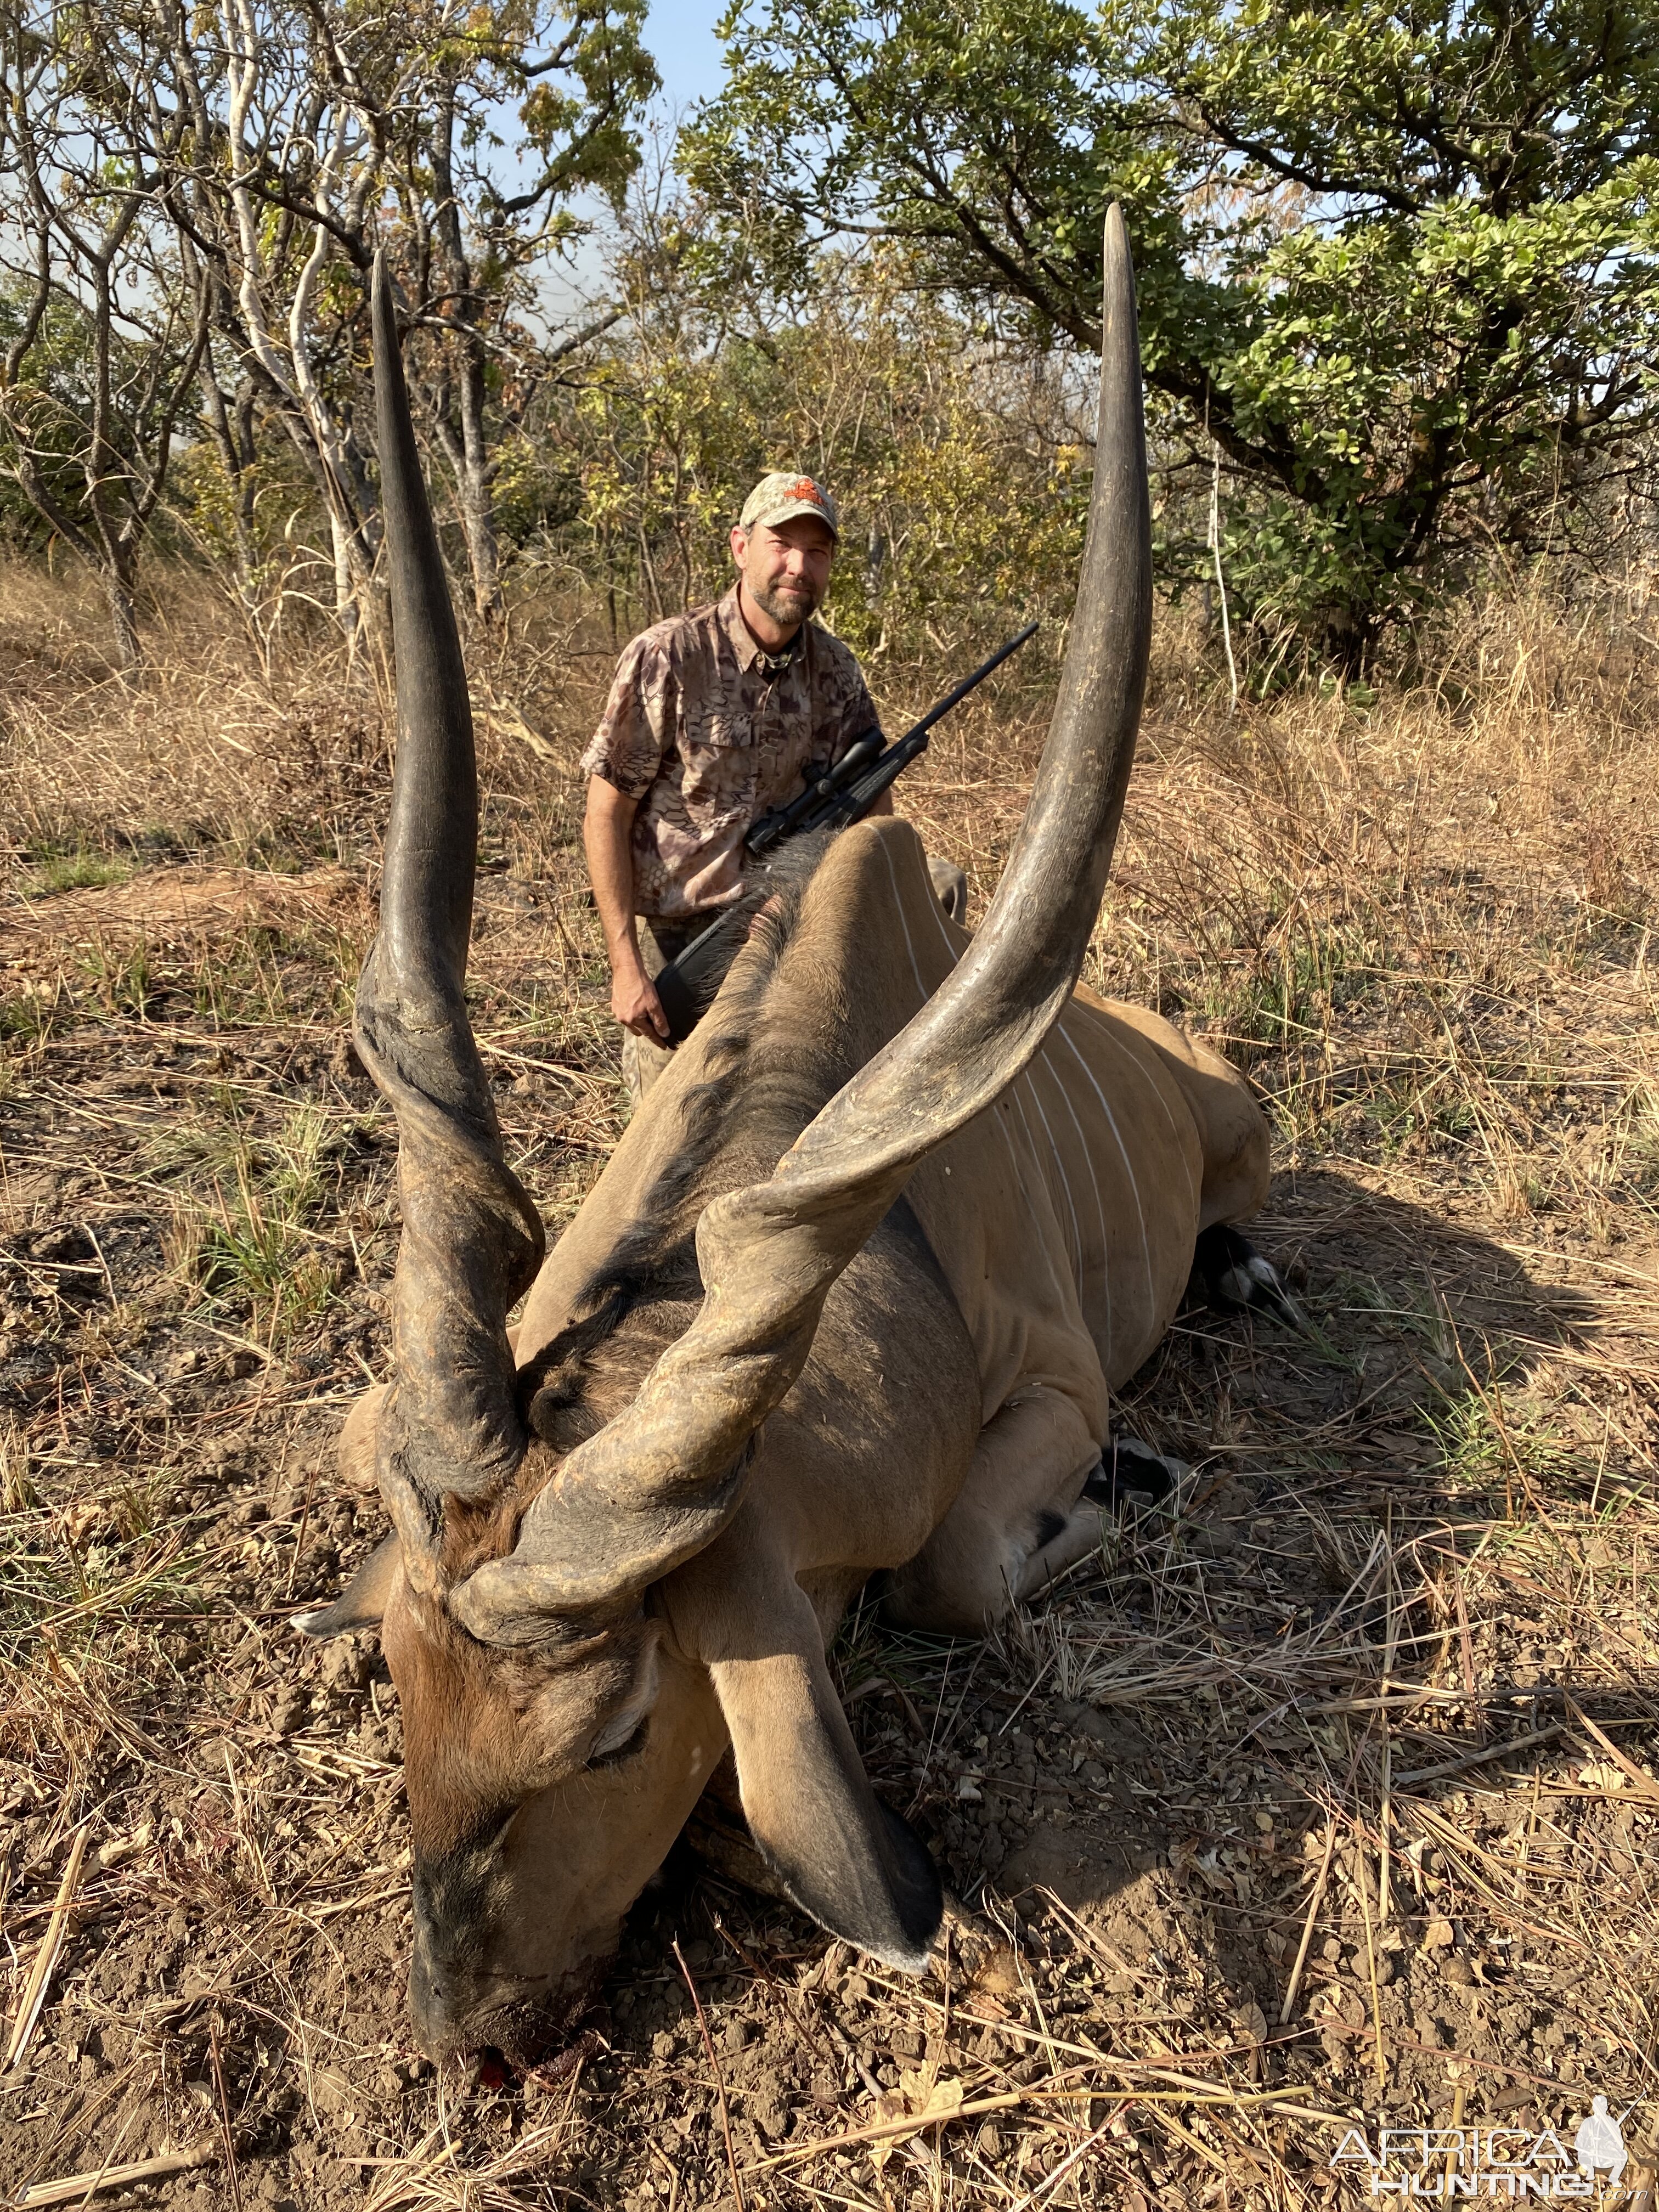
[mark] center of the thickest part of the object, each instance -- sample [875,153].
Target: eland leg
[1030,1507]
[1232,1275]
[1127,1472]
[1130,1470]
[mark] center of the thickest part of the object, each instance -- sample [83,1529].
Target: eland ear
[359,1443]
[845,1859]
[363,1602]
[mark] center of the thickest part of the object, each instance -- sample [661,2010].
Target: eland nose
[431,1999]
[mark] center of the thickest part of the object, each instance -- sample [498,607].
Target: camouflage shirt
[709,732]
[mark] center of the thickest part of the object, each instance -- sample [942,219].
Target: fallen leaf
[1601,1774]
[998,1975]
[922,2098]
[1438,1935]
[927,2098]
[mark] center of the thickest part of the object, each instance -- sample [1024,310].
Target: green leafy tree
[576,77]
[1399,264]
[956,464]
[205,188]
[325,113]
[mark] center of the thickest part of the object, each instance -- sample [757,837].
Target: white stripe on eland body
[1012,1094]
[898,901]
[1100,1208]
[1082,1142]
[1111,1123]
[1133,1057]
[1065,1181]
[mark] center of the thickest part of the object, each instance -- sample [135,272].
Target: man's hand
[634,1003]
[607,832]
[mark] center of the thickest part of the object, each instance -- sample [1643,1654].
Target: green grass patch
[1287,991]
[76,870]
[246,1220]
[25,1020]
[1488,1446]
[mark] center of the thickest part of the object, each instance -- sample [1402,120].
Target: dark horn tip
[382,311]
[1120,262]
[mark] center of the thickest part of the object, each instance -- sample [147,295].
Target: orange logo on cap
[804,488]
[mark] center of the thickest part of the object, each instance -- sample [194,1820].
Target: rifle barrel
[971,682]
[854,801]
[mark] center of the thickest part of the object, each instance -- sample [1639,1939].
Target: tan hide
[1063,1218]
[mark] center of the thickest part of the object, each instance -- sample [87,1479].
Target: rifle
[845,794]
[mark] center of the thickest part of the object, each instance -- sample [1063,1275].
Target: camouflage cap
[782,496]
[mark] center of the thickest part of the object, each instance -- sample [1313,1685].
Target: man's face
[785,570]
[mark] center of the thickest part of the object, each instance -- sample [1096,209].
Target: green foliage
[246,1223]
[47,413]
[25,1020]
[1287,991]
[1399,261]
[167,288]
[76,870]
[959,479]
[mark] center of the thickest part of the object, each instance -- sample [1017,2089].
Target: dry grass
[1328,1792]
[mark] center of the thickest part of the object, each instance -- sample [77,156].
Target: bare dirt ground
[1324,1797]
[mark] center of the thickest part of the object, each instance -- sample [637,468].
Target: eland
[847,1302]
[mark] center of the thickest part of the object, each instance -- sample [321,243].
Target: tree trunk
[120,591]
[476,504]
[468,454]
[1348,641]
[233,443]
[345,589]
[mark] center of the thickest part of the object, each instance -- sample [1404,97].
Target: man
[714,718]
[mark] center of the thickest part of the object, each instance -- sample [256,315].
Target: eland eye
[612,1750]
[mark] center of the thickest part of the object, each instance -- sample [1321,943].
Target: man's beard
[786,603]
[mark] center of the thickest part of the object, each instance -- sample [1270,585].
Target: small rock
[346,1663]
[288,1711]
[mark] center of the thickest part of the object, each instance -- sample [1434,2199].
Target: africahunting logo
[1476,2161]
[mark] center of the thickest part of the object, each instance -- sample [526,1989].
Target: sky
[681,35]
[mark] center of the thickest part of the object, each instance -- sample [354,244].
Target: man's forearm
[607,834]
